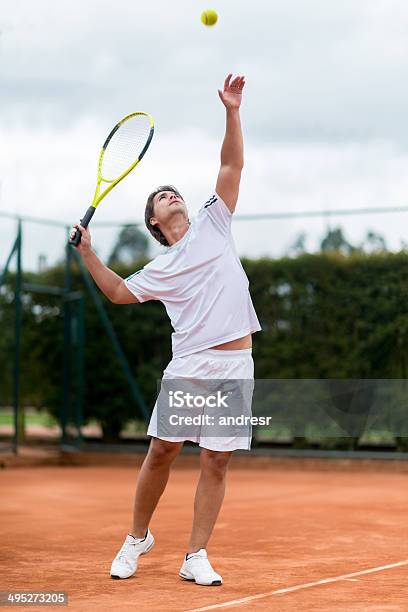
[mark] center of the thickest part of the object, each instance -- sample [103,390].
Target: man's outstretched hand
[232,95]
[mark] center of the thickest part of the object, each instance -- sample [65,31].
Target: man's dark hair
[149,213]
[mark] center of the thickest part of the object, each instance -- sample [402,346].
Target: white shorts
[210,364]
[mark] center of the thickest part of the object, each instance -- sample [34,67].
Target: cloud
[323,113]
[315,71]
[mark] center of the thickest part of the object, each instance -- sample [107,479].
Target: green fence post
[16,364]
[78,344]
[19,424]
[66,394]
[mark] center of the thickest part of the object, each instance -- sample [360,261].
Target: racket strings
[125,146]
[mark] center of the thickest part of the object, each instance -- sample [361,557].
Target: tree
[334,241]
[131,244]
[299,245]
[373,243]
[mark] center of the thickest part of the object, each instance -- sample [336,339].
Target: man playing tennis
[203,286]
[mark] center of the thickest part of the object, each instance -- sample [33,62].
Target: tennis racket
[121,152]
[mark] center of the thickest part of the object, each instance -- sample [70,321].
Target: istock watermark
[179,399]
[221,421]
[205,407]
[364,409]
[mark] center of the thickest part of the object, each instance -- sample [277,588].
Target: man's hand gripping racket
[121,152]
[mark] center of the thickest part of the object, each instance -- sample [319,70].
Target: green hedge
[323,316]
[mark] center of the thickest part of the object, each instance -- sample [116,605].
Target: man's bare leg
[152,481]
[209,496]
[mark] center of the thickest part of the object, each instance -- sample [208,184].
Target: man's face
[167,204]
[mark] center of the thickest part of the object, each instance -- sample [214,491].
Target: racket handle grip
[84,222]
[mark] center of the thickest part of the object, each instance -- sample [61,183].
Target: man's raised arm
[232,151]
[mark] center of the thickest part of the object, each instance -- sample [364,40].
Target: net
[124,145]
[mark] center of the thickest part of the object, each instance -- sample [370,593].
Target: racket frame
[98,197]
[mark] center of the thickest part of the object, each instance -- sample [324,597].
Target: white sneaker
[197,567]
[125,563]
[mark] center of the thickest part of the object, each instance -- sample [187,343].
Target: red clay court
[292,535]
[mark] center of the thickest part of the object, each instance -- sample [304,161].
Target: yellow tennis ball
[209,17]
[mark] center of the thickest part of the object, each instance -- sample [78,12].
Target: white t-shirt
[202,284]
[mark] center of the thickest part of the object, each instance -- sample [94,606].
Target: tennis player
[203,286]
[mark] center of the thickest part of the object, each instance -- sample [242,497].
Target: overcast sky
[324,112]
